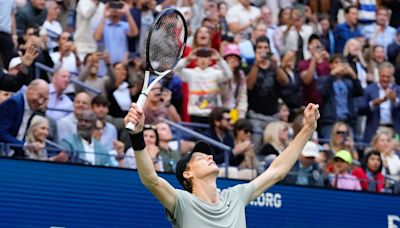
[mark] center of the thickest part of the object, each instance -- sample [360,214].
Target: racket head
[166,41]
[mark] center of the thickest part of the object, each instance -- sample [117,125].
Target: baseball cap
[344,155]
[201,147]
[14,62]
[232,49]
[310,150]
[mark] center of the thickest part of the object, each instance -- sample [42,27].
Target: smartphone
[116,5]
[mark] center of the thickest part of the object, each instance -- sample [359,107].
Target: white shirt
[53,30]
[241,15]
[89,151]
[68,62]
[25,118]
[61,102]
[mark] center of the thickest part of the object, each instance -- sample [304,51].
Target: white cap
[14,62]
[310,150]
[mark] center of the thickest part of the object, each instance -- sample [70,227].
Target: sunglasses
[342,132]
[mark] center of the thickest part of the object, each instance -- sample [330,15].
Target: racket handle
[140,102]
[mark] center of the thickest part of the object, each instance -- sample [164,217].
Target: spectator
[306,170]
[266,17]
[51,25]
[393,53]
[383,143]
[4,95]
[327,35]
[380,33]
[158,104]
[67,55]
[341,138]
[17,113]
[113,32]
[312,69]
[87,13]
[8,33]
[36,136]
[263,88]
[168,155]
[281,10]
[241,17]
[338,92]
[377,58]
[381,104]
[33,14]
[353,51]
[57,98]
[67,125]
[226,35]
[221,131]
[204,90]
[109,132]
[247,46]
[347,30]
[89,73]
[369,174]
[340,177]
[275,141]
[235,90]
[83,147]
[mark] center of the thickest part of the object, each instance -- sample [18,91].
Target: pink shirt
[346,181]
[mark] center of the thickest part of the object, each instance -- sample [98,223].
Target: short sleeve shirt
[192,212]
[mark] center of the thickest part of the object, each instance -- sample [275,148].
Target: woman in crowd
[385,145]
[342,139]
[276,138]
[369,174]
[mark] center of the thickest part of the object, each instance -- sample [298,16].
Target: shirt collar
[26,105]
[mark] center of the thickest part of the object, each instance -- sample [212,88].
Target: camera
[116,5]
[267,55]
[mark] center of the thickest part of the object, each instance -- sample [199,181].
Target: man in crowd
[57,98]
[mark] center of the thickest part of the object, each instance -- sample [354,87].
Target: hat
[344,155]
[201,147]
[310,150]
[14,62]
[231,49]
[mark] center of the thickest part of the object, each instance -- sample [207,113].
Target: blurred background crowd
[70,70]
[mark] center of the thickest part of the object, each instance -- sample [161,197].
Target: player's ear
[187,174]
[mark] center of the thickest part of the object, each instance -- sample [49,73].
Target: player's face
[202,165]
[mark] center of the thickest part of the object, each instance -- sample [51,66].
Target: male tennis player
[202,205]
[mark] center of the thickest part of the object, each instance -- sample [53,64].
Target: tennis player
[201,205]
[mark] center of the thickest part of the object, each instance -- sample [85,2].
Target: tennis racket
[164,48]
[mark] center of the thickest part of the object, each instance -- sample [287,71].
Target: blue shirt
[343,33]
[6,9]
[341,93]
[109,136]
[115,39]
[61,102]
[384,38]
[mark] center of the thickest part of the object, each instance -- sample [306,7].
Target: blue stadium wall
[41,194]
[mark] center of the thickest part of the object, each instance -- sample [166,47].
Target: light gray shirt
[67,126]
[192,212]
[7,9]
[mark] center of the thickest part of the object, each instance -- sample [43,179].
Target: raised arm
[160,188]
[281,166]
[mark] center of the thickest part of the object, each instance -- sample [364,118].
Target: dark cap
[201,147]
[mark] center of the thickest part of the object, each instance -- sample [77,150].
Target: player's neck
[206,191]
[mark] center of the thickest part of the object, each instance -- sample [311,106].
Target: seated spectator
[57,98]
[369,174]
[341,139]
[221,131]
[109,132]
[306,171]
[276,139]
[83,147]
[158,104]
[36,141]
[67,125]
[340,177]
[113,33]
[89,73]
[17,112]
[383,143]
[67,55]
[170,156]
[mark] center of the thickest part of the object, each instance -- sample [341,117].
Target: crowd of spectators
[248,70]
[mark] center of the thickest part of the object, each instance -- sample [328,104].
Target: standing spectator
[109,134]
[57,98]
[393,53]
[377,58]
[367,11]
[381,104]
[51,25]
[67,125]
[340,177]
[33,14]
[312,69]
[327,35]
[380,33]
[262,86]
[87,13]
[266,17]
[36,136]
[306,170]
[168,155]
[221,131]
[338,91]
[67,55]
[369,174]
[8,33]
[347,30]
[17,113]
[113,32]
[241,17]
[279,7]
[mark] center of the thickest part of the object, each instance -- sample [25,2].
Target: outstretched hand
[311,115]
[135,116]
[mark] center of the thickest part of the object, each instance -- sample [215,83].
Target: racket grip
[140,102]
